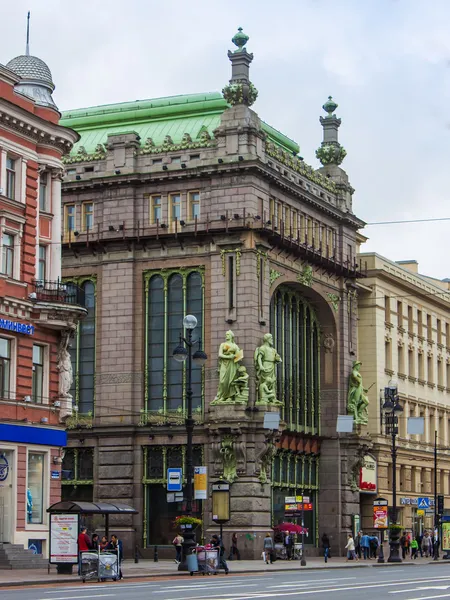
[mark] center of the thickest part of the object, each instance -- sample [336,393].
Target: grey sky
[386,62]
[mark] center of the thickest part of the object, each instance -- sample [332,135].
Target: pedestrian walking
[365,545]
[419,539]
[84,545]
[426,544]
[404,545]
[178,543]
[373,544]
[350,547]
[116,544]
[268,552]
[288,544]
[358,548]
[234,550]
[216,542]
[326,547]
[414,548]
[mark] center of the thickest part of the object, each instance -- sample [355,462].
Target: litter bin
[64,568]
[192,563]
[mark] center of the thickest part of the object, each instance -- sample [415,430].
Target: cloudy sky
[386,62]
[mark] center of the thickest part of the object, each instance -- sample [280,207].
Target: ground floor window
[77,474]
[160,506]
[279,496]
[35,489]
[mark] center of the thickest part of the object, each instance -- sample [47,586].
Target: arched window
[82,352]
[171,294]
[296,333]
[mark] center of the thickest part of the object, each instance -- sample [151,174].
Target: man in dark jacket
[117,545]
[216,542]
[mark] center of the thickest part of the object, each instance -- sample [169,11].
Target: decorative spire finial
[240,89]
[330,106]
[240,39]
[27,48]
[330,151]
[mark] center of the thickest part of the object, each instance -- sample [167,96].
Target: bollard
[155,554]
[136,554]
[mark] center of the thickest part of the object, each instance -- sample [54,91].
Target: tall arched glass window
[82,352]
[296,333]
[170,295]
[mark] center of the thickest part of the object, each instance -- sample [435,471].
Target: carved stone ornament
[388,338]
[264,459]
[273,275]
[356,467]
[400,343]
[305,277]
[334,301]
[357,400]
[230,457]
[328,342]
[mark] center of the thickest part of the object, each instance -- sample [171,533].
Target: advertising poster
[63,539]
[446,536]
[200,483]
[380,517]
[368,475]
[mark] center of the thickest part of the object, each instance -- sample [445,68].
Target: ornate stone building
[404,333]
[37,313]
[192,204]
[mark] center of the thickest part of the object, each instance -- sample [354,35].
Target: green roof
[174,116]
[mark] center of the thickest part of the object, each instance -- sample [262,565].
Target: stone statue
[64,367]
[233,377]
[266,359]
[357,401]
[227,451]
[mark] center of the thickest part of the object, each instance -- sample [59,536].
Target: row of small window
[12,177]
[429,376]
[7,367]
[9,265]
[422,326]
[87,217]
[177,208]
[297,224]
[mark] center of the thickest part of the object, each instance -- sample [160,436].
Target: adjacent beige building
[404,333]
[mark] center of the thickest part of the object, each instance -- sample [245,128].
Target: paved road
[425,582]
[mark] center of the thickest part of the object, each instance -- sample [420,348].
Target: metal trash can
[192,563]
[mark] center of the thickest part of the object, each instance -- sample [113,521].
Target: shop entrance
[6,496]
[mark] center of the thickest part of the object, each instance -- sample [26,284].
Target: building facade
[192,204]
[37,313]
[404,333]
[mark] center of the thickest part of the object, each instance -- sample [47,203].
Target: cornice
[34,128]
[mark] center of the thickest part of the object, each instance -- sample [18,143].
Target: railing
[57,291]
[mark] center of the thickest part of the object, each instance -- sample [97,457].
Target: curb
[243,572]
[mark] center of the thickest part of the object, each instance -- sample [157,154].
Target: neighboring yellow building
[404,334]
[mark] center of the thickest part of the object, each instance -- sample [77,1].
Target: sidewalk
[167,568]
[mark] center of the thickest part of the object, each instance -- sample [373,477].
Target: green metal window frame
[297,336]
[146,480]
[81,418]
[76,481]
[164,414]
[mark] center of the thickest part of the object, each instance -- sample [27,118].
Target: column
[22,195]
[3,171]
[55,253]
[406,413]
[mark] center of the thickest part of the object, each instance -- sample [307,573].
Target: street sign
[174,480]
[200,483]
[423,503]
[220,487]
[440,499]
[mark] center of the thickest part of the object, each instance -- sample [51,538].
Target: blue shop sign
[27,434]
[15,326]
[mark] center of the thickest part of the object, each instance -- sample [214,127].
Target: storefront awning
[92,508]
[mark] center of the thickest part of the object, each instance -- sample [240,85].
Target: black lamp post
[180,354]
[392,410]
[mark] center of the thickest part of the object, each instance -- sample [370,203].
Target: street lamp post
[392,409]
[199,357]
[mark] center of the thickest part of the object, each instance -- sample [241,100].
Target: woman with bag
[178,543]
[268,549]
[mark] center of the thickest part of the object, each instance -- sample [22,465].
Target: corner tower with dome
[193,204]
[37,312]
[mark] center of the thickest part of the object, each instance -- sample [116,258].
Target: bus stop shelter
[92,508]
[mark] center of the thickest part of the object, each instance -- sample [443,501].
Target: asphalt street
[427,582]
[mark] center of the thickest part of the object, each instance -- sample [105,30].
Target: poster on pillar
[368,475]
